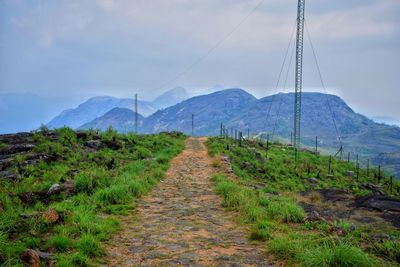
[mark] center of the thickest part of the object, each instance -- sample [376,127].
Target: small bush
[60,242]
[76,259]
[88,245]
[338,255]
[284,248]
[260,234]
[116,194]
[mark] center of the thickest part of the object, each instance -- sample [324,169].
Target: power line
[209,51]
[279,76]
[323,86]
[284,88]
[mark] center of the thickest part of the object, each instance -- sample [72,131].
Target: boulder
[94,144]
[68,187]
[378,202]
[30,257]
[16,148]
[27,197]
[314,216]
[9,175]
[54,189]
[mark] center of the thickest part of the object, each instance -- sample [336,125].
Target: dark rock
[54,189]
[94,144]
[260,157]
[25,216]
[312,180]
[378,202]
[17,138]
[350,173]
[27,197]
[5,163]
[17,148]
[44,255]
[68,188]
[376,189]
[9,175]
[72,173]
[30,257]
[81,135]
[335,194]
[314,216]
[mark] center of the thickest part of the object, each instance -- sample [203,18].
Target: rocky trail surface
[182,222]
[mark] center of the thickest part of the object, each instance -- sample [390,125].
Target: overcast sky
[82,48]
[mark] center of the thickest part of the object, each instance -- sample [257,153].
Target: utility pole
[298,75]
[136,114]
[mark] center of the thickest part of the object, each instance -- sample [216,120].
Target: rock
[260,157]
[225,158]
[81,135]
[17,148]
[312,180]
[376,189]
[44,255]
[54,189]
[5,163]
[95,144]
[30,257]
[378,202]
[9,175]
[27,197]
[314,216]
[25,216]
[68,187]
[350,173]
[335,195]
[50,216]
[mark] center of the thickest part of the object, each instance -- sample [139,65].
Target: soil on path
[182,222]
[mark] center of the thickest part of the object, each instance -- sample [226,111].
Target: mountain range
[98,106]
[323,115]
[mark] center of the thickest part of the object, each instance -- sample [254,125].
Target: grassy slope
[275,217]
[87,217]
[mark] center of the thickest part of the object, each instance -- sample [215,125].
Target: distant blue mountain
[94,108]
[170,98]
[121,119]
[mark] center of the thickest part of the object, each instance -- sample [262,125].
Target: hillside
[121,119]
[96,107]
[61,191]
[316,212]
[210,110]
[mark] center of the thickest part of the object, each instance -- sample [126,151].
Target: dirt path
[181,222]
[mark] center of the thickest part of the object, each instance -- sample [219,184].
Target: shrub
[88,245]
[337,255]
[76,259]
[116,194]
[60,242]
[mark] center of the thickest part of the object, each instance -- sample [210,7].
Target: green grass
[274,217]
[106,183]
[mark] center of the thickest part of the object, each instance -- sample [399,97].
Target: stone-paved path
[182,223]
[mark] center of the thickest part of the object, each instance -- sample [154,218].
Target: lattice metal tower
[299,75]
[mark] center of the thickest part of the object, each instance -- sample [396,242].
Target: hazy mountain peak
[171,97]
